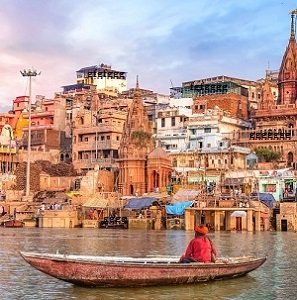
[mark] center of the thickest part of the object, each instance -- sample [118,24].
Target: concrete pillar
[217,220]
[228,220]
[257,221]
[189,219]
[249,220]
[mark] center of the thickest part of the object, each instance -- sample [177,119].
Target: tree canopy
[267,155]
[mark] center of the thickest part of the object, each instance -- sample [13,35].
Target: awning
[177,208]
[139,203]
[96,203]
[184,195]
[238,214]
[266,198]
[73,194]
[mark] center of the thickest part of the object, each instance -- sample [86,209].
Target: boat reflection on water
[210,290]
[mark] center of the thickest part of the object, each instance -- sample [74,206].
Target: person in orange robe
[200,248]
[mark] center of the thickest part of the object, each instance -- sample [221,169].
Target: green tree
[267,155]
[141,137]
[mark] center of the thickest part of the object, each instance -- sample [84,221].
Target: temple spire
[137,82]
[293,14]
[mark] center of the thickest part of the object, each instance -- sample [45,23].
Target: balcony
[92,146]
[267,136]
[87,129]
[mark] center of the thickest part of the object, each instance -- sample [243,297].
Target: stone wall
[58,219]
[288,214]
[55,183]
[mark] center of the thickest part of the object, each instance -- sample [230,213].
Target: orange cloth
[201,229]
[200,249]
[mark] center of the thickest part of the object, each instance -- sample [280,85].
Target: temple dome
[158,153]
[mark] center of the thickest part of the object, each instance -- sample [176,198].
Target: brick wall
[236,104]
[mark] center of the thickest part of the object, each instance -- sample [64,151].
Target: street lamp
[29,73]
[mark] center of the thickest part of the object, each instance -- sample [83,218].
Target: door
[238,223]
[284,225]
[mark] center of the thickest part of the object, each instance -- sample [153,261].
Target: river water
[276,279]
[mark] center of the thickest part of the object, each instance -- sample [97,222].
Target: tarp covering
[96,203]
[73,194]
[139,203]
[177,208]
[183,195]
[266,198]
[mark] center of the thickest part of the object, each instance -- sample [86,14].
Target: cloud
[161,41]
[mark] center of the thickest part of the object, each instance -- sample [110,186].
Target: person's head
[200,230]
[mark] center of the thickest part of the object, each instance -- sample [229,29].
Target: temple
[276,118]
[141,169]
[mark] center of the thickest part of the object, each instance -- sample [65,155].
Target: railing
[92,145]
[281,134]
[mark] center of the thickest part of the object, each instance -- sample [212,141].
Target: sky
[164,42]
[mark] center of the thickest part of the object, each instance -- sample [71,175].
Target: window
[108,137]
[201,106]
[86,139]
[191,163]
[102,138]
[207,130]
[163,122]
[173,121]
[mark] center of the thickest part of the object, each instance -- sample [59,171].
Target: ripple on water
[276,279]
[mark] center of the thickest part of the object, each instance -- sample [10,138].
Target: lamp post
[29,73]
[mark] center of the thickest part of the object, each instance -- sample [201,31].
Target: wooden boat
[13,223]
[110,271]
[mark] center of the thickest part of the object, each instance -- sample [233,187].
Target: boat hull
[13,224]
[136,273]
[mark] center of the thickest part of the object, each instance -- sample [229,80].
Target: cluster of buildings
[217,133]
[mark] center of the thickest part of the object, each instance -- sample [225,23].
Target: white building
[212,130]
[171,128]
[103,77]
